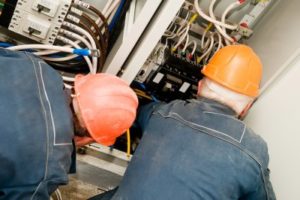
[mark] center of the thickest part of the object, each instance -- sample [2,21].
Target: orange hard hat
[236,67]
[107,106]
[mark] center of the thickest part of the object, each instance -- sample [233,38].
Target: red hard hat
[107,106]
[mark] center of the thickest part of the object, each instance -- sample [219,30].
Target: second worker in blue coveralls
[198,149]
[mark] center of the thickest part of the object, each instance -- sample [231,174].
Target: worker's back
[196,150]
[36,128]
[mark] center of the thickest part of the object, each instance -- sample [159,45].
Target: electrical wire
[128,143]
[101,17]
[98,63]
[112,8]
[116,16]
[194,46]
[69,79]
[51,47]
[208,50]
[107,5]
[182,38]
[94,28]
[86,58]
[229,9]
[78,37]
[88,35]
[206,17]
[228,39]
[220,44]
[5,44]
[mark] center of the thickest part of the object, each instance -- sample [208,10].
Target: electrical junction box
[39,20]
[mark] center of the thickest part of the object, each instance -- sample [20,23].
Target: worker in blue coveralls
[38,121]
[198,149]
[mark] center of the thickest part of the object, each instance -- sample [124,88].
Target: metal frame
[151,36]
[122,49]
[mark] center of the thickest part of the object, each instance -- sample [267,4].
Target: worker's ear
[243,114]
[81,141]
[200,85]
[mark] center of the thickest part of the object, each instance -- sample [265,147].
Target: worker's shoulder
[256,146]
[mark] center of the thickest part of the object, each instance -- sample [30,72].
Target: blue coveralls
[196,150]
[36,128]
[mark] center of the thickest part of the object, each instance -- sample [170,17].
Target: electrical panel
[173,69]
[39,20]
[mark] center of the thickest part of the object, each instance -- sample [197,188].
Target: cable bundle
[214,36]
[82,43]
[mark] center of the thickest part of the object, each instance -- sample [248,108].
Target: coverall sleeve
[264,189]
[144,114]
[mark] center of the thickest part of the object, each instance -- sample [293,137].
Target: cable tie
[95,53]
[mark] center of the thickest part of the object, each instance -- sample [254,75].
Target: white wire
[169,38]
[70,79]
[228,39]
[41,46]
[181,39]
[227,10]
[172,32]
[206,17]
[186,42]
[111,16]
[209,49]
[107,5]
[110,10]
[68,86]
[66,58]
[220,41]
[195,47]
[58,194]
[88,35]
[181,29]
[202,39]
[189,44]
[62,59]
[77,37]
[86,58]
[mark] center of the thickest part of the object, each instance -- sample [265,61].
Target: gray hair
[212,90]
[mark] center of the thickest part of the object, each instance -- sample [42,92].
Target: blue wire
[116,16]
[144,88]
[5,44]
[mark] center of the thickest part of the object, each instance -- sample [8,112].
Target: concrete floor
[88,182]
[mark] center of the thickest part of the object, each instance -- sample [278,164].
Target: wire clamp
[95,53]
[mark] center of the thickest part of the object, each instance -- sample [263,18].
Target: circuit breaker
[39,20]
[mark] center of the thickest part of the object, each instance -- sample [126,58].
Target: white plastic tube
[214,21]
[228,39]
[41,46]
[69,79]
[72,35]
[107,5]
[77,37]
[194,43]
[62,59]
[220,42]
[111,9]
[227,10]
[85,33]
[186,42]
[209,49]
[86,58]
[182,38]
